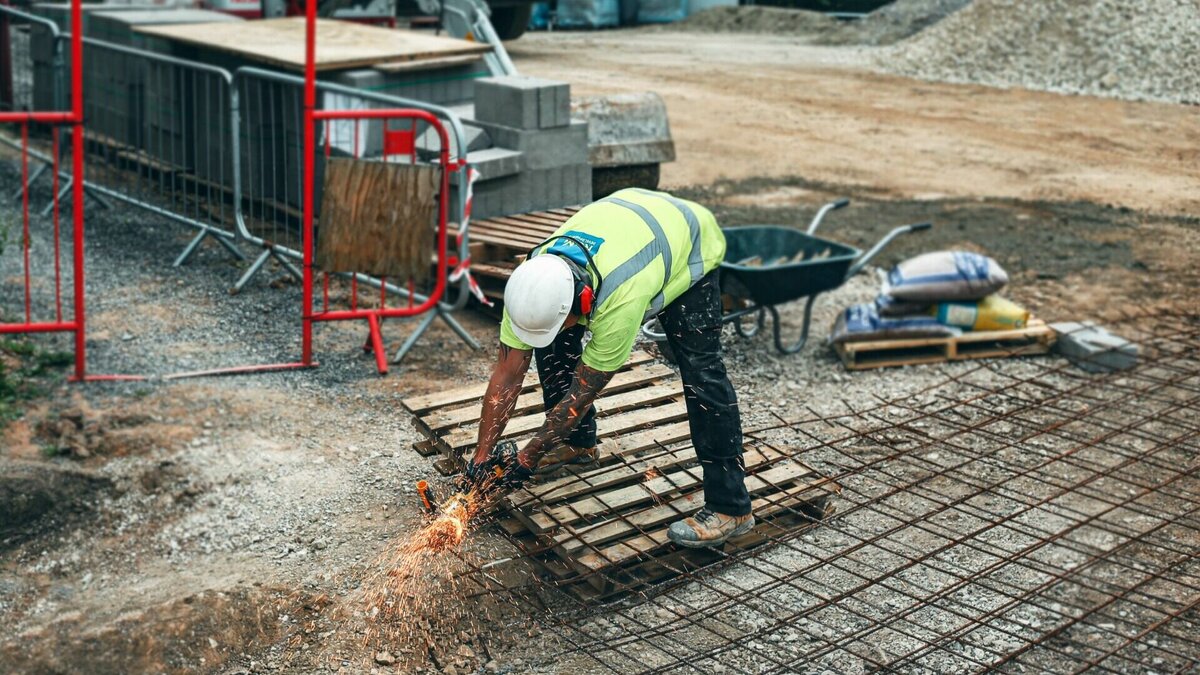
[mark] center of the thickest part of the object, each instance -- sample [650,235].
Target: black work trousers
[693,327]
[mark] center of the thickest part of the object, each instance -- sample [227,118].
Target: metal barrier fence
[161,138]
[270,142]
[48,259]
[220,152]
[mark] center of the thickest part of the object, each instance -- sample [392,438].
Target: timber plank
[1034,338]
[572,540]
[623,551]
[610,407]
[421,404]
[577,485]
[592,506]
[446,418]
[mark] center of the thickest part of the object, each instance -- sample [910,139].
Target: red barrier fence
[394,143]
[36,319]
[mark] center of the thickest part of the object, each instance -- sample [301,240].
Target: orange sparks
[652,473]
[413,573]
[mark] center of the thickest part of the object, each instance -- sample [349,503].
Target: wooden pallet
[602,529]
[1035,338]
[499,244]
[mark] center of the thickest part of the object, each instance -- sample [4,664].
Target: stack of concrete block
[42,45]
[532,117]
[168,111]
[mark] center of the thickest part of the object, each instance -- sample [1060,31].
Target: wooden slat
[593,536]
[628,549]
[1035,338]
[546,520]
[608,406]
[570,487]
[421,404]
[446,418]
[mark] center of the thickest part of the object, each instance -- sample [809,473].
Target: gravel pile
[1129,49]
[887,25]
[755,19]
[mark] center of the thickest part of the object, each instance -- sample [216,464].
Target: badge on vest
[568,248]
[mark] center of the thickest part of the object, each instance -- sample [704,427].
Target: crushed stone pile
[1129,49]
[889,24]
[756,19]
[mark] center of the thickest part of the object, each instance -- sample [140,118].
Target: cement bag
[945,275]
[991,313]
[862,322]
[888,306]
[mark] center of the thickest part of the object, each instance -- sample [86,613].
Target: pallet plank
[616,409]
[422,404]
[641,545]
[594,535]
[1035,338]
[446,418]
[592,506]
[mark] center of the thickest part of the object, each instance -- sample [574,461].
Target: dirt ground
[809,111]
[224,513]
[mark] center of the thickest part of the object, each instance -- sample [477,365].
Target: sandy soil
[743,106]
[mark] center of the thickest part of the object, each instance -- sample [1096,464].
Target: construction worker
[616,263]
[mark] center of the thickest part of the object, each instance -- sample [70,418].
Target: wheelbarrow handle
[896,232]
[831,206]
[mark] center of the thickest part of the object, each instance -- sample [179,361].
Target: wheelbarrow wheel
[759,319]
[653,331]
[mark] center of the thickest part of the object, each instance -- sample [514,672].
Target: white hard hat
[538,296]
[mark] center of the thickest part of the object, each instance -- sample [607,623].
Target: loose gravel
[887,25]
[1129,49]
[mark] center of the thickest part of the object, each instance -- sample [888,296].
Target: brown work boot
[566,454]
[709,528]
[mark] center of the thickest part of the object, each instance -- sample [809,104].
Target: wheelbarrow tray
[820,265]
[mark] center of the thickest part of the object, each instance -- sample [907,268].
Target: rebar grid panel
[1021,516]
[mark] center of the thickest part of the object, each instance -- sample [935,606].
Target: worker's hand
[477,474]
[512,474]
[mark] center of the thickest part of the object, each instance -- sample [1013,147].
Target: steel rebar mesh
[1021,515]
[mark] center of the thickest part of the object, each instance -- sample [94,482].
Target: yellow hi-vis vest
[649,247]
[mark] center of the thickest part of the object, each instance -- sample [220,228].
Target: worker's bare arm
[562,418]
[502,392]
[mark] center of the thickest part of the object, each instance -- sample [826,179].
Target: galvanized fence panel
[271,192]
[160,135]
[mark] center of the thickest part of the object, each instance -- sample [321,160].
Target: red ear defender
[585,300]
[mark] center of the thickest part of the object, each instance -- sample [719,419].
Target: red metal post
[77,184]
[310,104]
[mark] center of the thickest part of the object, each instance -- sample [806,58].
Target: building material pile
[1130,49]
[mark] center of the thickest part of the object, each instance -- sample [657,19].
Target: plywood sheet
[340,44]
[377,218]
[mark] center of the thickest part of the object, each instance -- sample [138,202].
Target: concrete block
[544,148]
[494,163]
[477,139]
[522,102]
[1093,348]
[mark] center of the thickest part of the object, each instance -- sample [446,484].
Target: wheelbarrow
[768,265]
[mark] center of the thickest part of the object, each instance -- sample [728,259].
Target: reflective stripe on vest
[695,256]
[638,261]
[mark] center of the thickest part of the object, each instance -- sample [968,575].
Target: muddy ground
[223,525]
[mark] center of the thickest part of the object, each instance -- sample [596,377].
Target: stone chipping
[1129,49]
